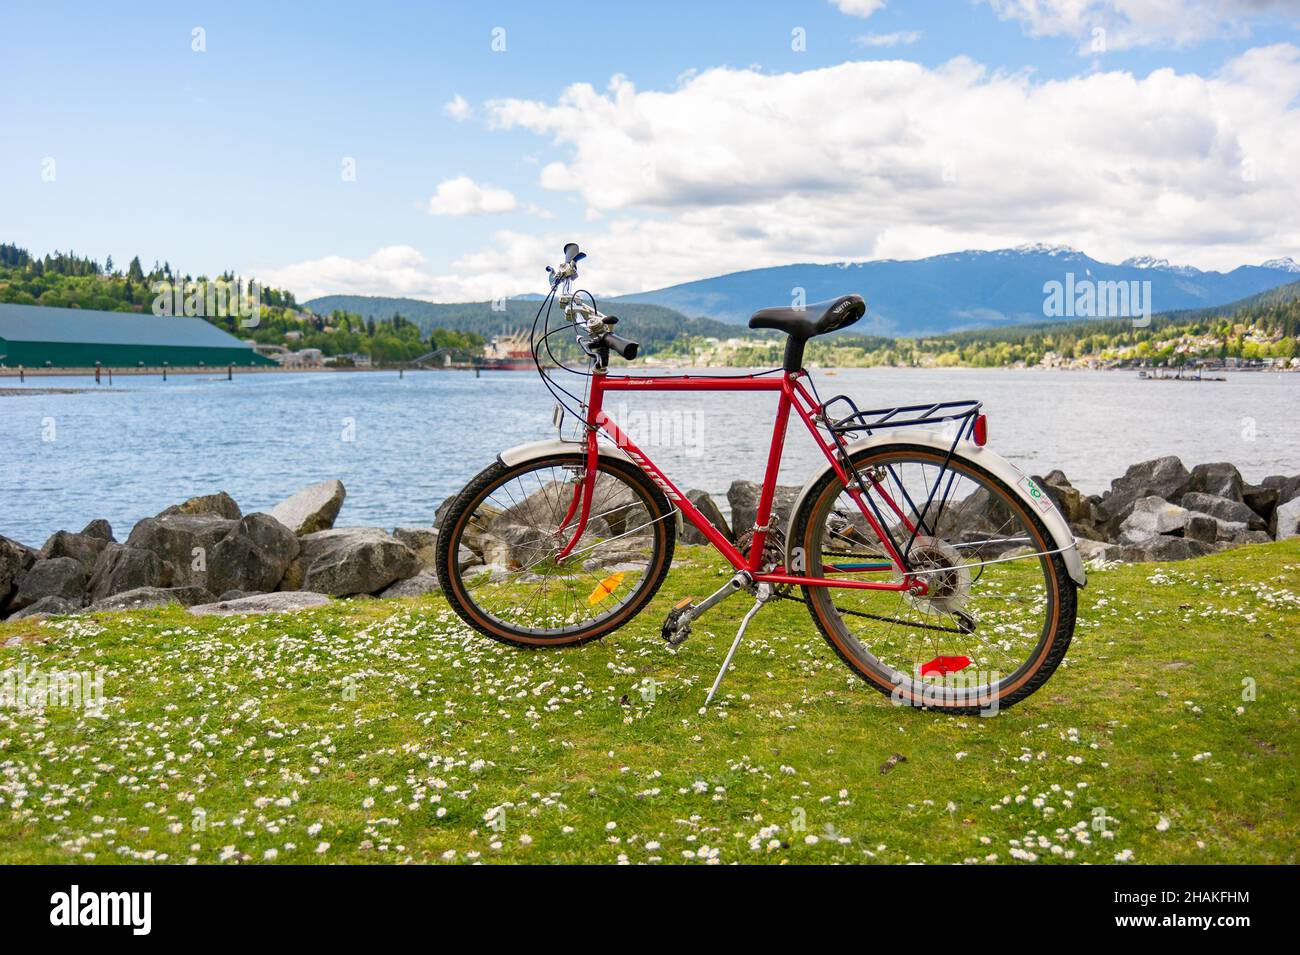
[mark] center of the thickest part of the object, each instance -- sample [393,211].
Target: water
[402,445]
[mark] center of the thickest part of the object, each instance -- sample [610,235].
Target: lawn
[385,731]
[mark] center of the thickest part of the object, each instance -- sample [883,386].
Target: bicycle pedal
[677,625]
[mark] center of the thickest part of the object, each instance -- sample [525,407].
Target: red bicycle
[938,572]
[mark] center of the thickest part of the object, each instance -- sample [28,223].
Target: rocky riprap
[206,554]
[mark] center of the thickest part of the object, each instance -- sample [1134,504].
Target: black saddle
[804,323]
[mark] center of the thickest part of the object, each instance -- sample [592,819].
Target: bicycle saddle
[818,319]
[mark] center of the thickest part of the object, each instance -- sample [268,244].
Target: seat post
[794,354]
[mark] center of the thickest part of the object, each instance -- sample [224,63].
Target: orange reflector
[605,588]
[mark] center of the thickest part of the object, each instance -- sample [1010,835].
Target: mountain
[961,290]
[651,325]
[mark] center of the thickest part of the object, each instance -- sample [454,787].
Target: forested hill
[649,324]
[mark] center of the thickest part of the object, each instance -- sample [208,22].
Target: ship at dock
[508,352]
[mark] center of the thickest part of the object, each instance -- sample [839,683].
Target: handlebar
[593,330]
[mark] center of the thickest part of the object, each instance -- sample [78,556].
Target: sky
[447,151]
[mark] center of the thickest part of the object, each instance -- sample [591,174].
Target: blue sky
[233,156]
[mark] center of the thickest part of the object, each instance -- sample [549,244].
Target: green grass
[339,735]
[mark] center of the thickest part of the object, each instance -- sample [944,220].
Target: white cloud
[463,196]
[457,108]
[1129,23]
[736,169]
[741,169]
[858,8]
[898,38]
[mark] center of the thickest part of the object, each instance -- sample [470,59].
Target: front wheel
[998,611]
[499,547]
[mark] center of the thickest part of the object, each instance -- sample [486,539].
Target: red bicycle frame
[791,394]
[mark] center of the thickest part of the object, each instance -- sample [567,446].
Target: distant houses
[36,336]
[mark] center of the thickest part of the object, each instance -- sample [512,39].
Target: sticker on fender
[605,588]
[1035,494]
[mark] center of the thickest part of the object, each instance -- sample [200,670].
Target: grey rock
[51,577]
[99,528]
[742,497]
[80,547]
[417,586]
[1261,499]
[219,504]
[1287,520]
[354,560]
[312,509]
[1201,527]
[1163,547]
[283,602]
[1220,479]
[183,542]
[45,607]
[421,540]
[140,598]
[120,568]
[15,560]
[253,556]
[1095,550]
[708,507]
[1288,488]
[237,595]
[1222,508]
[1162,477]
[442,510]
[1151,516]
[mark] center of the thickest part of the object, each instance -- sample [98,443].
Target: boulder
[121,568]
[99,528]
[1288,488]
[1201,527]
[1287,519]
[417,586]
[1074,506]
[261,603]
[80,547]
[63,577]
[742,497]
[312,509]
[15,559]
[219,504]
[253,556]
[46,606]
[1222,508]
[1261,499]
[1151,516]
[1096,550]
[139,598]
[424,542]
[442,510]
[354,560]
[183,542]
[1162,477]
[705,504]
[1220,479]
[1164,547]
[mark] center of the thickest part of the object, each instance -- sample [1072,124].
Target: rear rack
[903,417]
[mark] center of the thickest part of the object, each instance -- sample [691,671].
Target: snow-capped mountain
[962,290]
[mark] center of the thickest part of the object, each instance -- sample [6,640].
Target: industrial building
[38,337]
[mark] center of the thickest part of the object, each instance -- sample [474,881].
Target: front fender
[1038,502]
[543,449]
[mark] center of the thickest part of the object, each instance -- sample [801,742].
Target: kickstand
[763,593]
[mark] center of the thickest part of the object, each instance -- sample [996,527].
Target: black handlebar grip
[627,349]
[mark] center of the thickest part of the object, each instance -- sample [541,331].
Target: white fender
[542,449]
[991,461]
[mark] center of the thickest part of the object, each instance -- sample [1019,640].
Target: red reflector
[981,429]
[942,665]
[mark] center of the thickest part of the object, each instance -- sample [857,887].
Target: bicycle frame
[791,395]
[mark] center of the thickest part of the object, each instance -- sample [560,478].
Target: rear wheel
[499,545]
[998,611]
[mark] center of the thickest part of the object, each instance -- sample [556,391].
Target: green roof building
[37,337]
